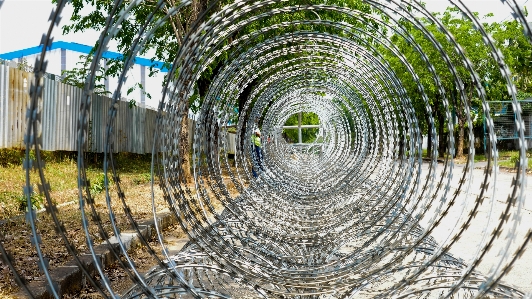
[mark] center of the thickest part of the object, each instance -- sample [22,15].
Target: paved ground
[474,238]
[468,246]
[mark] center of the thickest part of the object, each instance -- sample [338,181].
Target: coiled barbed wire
[351,215]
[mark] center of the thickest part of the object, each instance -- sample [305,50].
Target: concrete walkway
[484,223]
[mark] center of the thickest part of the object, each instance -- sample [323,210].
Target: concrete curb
[69,277]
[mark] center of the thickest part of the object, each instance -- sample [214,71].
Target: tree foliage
[508,37]
[165,44]
[308,135]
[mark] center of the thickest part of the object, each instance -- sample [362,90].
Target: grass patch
[506,159]
[61,174]
[480,158]
[511,159]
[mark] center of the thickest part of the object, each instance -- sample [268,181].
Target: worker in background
[256,152]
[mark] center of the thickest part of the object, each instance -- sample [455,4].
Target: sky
[483,7]
[22,23]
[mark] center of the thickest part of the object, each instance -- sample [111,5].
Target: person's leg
[258,155]
[254,160]
[261,158]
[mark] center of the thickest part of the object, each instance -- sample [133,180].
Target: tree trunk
[429,137]
[461,133]
[184,149]
[197,7]
[441,136]
[460,114]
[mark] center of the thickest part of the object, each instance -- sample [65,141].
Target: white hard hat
[257,131]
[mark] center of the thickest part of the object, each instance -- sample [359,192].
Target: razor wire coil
[351,215]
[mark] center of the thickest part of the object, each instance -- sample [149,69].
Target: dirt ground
[15,233]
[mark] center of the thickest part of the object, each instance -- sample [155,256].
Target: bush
[514,158]
[11,157]
[98,185]
[37,201]
[14,156]
[142,178]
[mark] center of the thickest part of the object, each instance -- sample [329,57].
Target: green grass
[506,158]
[61,174]
[480,158]
[510,159]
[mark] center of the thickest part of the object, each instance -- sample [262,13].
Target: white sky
[22,23]
[483,7]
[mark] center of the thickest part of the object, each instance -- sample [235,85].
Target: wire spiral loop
[357,212]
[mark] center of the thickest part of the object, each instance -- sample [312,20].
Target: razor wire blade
[354,214]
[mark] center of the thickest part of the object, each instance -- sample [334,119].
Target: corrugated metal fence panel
[74,106]
[63,103]
[55,116]
[4,79]
[116,128]
[71,102]
[128,129]
[18,102]
[119,131]
[100,108]
[122,132]
[133,127]
[95,118]
[58,112]
[62,113]
[92,138]
[136,129]
[106,113]
[48,114]
[141,138]
[143,115]
[150,116]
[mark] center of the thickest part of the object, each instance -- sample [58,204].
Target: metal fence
[60,107]
[504,125]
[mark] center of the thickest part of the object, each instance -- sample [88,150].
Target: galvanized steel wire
[349,215]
